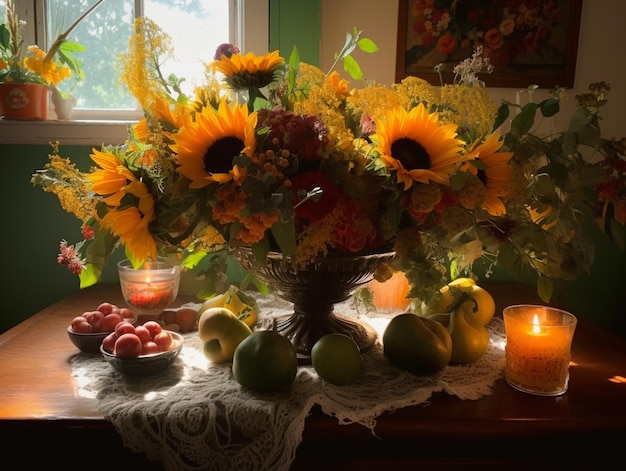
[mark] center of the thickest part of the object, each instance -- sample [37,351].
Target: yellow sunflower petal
[425,150]
[205,147]
[111,176]
[497,172]
[131,223]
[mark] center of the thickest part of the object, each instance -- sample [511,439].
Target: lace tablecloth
[197,417]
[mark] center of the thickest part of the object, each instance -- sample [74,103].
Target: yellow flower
[249,70]
[130,222]
[139,67]
[49,71]
[206,147]
[112,176]
[417,146]
[497,172]
[470,108]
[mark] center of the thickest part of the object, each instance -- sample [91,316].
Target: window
[103,105]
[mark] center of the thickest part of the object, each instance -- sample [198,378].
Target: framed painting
[528,42]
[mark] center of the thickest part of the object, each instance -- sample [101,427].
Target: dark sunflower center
[218,158]
[411,154]
[482,176]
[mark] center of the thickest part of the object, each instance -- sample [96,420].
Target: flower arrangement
[278,155]
[36,65]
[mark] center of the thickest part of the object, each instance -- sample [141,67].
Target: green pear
[265,361]
[416,344]
[470,338]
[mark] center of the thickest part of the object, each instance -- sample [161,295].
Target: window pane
[105,34]
[197,27]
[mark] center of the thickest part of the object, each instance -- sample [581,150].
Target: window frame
[94,128]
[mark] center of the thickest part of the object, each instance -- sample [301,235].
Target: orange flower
[493,39]
[447,44]
[339,85]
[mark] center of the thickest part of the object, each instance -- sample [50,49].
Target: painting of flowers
[527,41]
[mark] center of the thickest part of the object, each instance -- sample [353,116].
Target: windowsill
[71,132]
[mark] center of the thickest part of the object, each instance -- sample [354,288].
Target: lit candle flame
[536,325]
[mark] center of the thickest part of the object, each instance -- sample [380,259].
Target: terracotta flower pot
[23,101]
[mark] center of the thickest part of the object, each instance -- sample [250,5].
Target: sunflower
[248,71]
[129,221]
[496,173]
[112,176]
[206,147]
[417,146]
[173,114]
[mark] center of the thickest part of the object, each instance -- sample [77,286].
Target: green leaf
[294,63]
[352,67]
[89,276]
[99,250]
[66,56]
[285,235]
[191,260]
[549,107]
[579,120]
[515,263]
[501,116]
[545,288]
[367,45]
[72,46]
[523,122]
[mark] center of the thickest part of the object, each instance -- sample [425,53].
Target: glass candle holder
[538,348]
[151,288]
[390,297]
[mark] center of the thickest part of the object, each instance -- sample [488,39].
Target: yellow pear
[470,338]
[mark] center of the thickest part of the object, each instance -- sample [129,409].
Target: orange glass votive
[538,348]
[390,296]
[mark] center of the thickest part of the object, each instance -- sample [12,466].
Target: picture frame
[536,44]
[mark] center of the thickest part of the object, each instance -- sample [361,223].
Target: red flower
[315,207]
[88,232]
[355,231]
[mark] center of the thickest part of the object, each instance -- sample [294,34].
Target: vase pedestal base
[303,330]
[314,291]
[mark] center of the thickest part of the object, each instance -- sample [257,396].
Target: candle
[538,348]
[150,288]
[390,296]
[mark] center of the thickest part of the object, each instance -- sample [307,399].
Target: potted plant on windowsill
[26,78]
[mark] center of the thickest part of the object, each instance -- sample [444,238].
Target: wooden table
[39,407]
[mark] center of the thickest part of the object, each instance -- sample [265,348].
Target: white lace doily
[197,417]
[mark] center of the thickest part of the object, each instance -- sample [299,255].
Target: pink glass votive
[151,288]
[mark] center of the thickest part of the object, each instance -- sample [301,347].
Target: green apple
[221,331]
[265,361]
[416,344]
[337,359]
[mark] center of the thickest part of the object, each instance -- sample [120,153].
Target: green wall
[296,23]
[33,225]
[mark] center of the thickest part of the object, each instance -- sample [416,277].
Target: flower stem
[63,36]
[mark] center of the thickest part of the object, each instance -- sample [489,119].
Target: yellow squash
[236,300]
[464,292]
